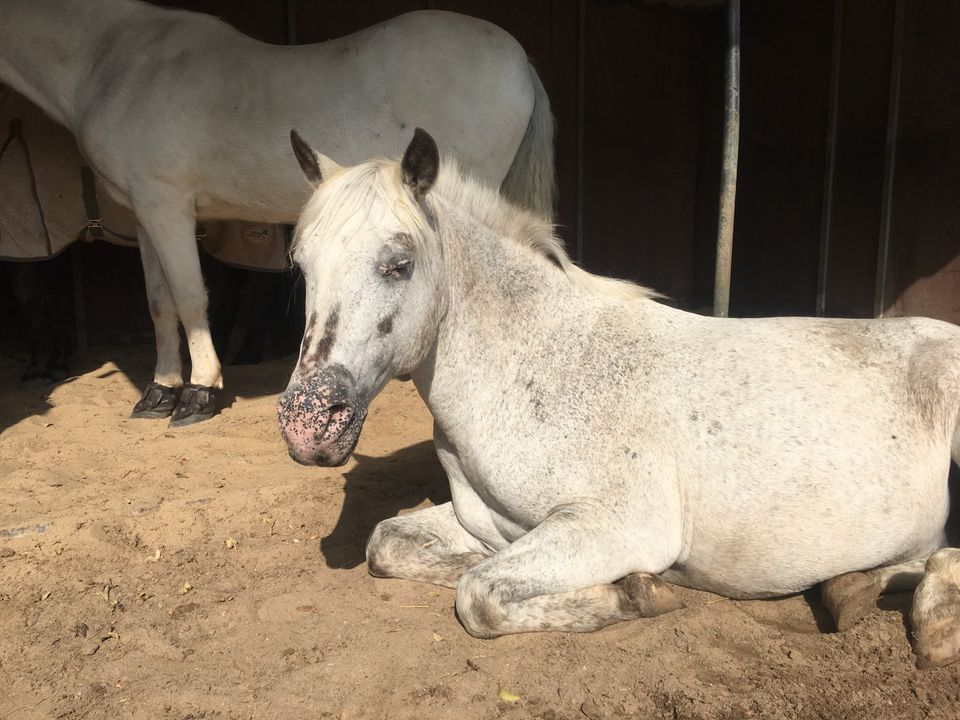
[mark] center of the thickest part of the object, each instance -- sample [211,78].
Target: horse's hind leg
[428,546]
[852,596]
[560,576]
[168,221]
[935,617]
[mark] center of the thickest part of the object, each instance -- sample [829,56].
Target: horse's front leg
[577,571]
[427,545]
[169,223]
[161,395]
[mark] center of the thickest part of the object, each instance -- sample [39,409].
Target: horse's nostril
[338,418]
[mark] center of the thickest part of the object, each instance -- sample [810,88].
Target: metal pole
[826,214]
[890,161]
[581,100]
[728,178]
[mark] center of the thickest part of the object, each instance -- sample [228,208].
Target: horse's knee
[388,547]
[380,550]
[481,607]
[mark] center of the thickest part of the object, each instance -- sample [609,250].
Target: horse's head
[369,256]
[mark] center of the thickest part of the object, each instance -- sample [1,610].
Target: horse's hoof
[650,595]
[935,616]
[158,401]
[850,598]
[937,643]
[197,403]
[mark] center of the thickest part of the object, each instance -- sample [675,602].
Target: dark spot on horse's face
[329,337]
[308,331]
[403,126]
[385,326]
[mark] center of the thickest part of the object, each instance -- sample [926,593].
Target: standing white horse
[593,437]
[183,117]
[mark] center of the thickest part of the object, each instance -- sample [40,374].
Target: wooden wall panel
[262,20]
[784,86]
[709,157]
[548,31]
[861,138]
[319,21]
[640,144]
[924,262]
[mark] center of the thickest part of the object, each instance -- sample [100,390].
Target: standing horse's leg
[852,596]
[560,576]
[161,395]
[935,617]
[263,288]
[427,545]
[169,223]
[33,297]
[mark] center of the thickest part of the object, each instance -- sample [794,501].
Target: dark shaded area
[925,248]
[821,615]
[953,521]
[650,120]
[377,489]
[785,66]
[37,311]
[862,113]
[641,121]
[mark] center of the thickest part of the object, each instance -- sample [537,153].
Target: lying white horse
[183,117]
[593,437]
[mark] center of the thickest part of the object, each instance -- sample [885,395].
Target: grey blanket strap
[90,204]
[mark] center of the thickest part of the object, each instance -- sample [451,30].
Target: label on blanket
[251,246]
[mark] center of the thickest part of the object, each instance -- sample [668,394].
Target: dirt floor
[201,573]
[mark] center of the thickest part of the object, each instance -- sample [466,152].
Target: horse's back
[188,98]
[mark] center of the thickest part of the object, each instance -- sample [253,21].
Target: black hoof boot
[197,403]
[158,401]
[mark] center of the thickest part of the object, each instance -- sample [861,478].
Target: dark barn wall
[641,133]
[862,119]
[652,111]
[924,268]
[785,60]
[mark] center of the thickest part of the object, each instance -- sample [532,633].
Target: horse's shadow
[378,488]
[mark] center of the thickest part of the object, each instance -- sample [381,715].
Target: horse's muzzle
[321,418]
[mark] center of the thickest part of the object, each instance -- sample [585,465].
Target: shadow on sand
[379,488]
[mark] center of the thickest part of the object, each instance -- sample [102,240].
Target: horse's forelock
[354,191]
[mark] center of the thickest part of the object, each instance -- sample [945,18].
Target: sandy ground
[200,573]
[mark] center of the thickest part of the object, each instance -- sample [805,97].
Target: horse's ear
[315,166]
[420,163]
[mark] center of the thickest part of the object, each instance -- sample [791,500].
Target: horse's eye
[398,267]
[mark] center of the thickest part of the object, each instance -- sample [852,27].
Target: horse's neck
[501,300]
[48,46]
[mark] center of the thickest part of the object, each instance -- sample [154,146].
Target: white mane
[380,179]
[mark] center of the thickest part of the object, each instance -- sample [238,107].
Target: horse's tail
[531,181]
